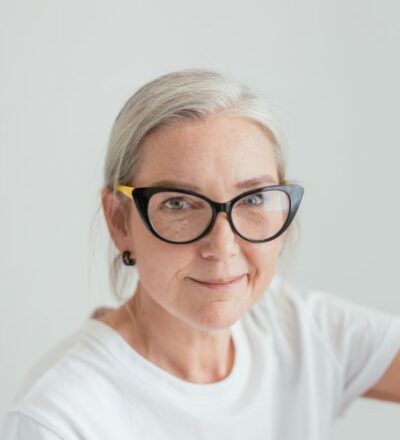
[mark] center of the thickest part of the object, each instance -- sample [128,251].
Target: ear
[113,211]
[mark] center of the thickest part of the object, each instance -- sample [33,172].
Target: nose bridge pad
[224,208]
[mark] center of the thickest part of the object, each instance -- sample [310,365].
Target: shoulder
[73,396]
[284,302]
[45,363]
[286,315]
[68,380]
[285,307]
[307,317]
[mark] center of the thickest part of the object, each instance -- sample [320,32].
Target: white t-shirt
[301,357]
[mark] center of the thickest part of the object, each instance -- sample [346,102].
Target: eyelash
[257,195]
[173,198]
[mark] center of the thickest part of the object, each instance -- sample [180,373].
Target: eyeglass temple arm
[126,190]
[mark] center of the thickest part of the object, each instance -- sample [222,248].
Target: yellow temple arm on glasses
[126,190]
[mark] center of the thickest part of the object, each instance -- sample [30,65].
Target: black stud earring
[126,257]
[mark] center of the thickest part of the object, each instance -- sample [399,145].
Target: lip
[220,284]
[219,280]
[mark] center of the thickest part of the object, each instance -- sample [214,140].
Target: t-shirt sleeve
[363,341]
[18,426]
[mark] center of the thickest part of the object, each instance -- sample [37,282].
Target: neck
[192,354]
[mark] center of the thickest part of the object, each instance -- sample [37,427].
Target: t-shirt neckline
[215,393]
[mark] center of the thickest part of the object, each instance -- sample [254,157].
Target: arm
[388,387]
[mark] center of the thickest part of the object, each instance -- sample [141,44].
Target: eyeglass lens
[182,217]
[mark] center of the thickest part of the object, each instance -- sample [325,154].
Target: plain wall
[330,68]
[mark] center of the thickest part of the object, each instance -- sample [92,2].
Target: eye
[176,203]
[253,199]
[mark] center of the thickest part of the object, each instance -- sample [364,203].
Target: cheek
[263,254]
[155,255]
[264,260]
[159,262]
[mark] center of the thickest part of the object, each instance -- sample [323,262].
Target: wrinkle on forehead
[211,156]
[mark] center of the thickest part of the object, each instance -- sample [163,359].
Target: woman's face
[214,155]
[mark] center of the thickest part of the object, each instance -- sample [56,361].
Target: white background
[331,68]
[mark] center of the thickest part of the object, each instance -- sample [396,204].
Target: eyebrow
[265,178]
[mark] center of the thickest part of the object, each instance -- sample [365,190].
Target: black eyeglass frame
[141,196]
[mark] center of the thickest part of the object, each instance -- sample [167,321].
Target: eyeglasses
[181,216]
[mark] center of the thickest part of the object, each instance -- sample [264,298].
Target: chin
[217,319]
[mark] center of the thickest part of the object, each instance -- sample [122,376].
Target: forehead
[222,151]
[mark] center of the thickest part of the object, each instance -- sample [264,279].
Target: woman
[213,343]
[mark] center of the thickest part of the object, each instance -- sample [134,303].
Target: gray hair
[182,95]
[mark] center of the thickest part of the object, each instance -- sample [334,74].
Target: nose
[221,242]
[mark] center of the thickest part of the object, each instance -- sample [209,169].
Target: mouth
[220,284]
